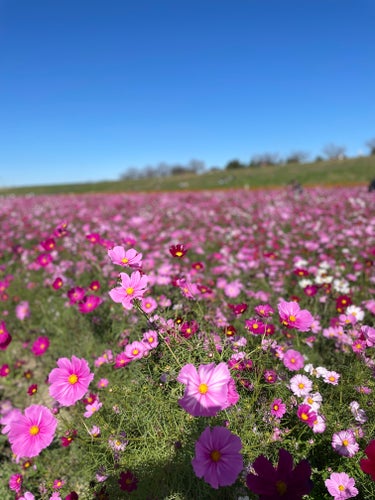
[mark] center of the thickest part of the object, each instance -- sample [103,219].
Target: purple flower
[217,457]
[282,482]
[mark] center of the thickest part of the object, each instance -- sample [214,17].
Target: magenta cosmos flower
[368,464]
[132,287]
[30,433]
[292,316]
[282,482]
[341,486]
[208,390]
[217,457]
[70,381]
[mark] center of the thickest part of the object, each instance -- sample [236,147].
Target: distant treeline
[163,169]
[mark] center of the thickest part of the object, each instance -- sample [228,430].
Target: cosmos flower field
[195,345]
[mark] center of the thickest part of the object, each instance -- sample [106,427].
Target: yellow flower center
[292,318]
[179,254]
[203,388]
[341,487]
[73,379]
[135,352]
[345,442]
[129,290]
[304,416]
[255,326]
[34,430]
[124,260]
[215,455]
[301,385]
[281,487]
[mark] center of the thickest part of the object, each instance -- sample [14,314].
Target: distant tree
[234,164]
[196,166]
[334,152]
[318,158]
[297,157]
[371,145]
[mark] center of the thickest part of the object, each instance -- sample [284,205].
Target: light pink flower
[23,310]
[136,350]
[344,443]
[125,258]
[32,432]
[132,287]
[292,316]
[300,385]
[206,390]
[341,486]
[70,381]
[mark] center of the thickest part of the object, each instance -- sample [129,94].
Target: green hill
[350,171]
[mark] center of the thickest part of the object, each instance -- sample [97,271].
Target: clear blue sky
[89,88]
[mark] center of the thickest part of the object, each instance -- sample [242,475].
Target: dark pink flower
[368,464]
[306,414]
[89,303]
[282,482]
[40,346]
[128,481]
[217,457]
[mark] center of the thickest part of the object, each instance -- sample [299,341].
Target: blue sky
[90,88]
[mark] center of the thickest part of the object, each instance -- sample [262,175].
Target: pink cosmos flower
[6,420]
[15,482]
[278,408]
[306,415]
[103,382]
[217,457]
[125,258]
[292,316]
[23,310]
[135,350]
[92,408]
[282,482]
[122,360]
[76,294]
[5,336]
[344,443]
[32,432]
[89,303]
[341,486]
[70,381]
[293,360]
[4,370]
[40,346]
[206,390]
[27,496]
[132,287]
[150,339]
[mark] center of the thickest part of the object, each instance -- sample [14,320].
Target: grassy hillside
[337,172]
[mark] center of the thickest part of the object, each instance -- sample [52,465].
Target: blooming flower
[300,385]
[293,360]
[89,303]
[32,432]
[306,415]
[178,250]
[292,316]
[206,390]
[217,457]
[278,408]
[15,482]
[122,257]
[23,310]
[344,443]
[40,346]
[128,481]
[341,486]
[92,408]
[368,464]
[282,482]
[132,287]
[70,381]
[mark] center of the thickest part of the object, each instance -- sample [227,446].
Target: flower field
[196,345]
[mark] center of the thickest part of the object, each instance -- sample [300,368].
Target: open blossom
[40,346]
[125,258]
[300,385]
[208,389]
[278,408]
[306,414]
[292,316]
[70,381]
[136,350]
[341,486]
[344,443]
[132,287]
[23,310]
[282,482]
[33,431]
[368,464]
[217,457]
[293,360]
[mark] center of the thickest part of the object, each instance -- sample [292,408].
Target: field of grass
[352,171]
